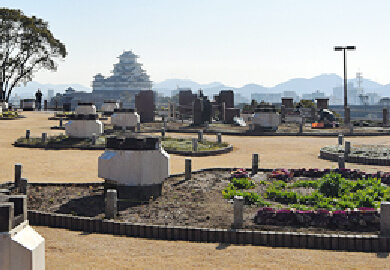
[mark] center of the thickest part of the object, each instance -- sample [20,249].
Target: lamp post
[344,49]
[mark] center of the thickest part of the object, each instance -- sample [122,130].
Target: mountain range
[324,83]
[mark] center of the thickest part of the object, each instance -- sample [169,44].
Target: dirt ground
[75,250]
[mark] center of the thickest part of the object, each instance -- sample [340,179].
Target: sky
[229,41]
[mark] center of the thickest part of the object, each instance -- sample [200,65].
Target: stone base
[134,193]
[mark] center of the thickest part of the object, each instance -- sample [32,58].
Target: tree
[26,45]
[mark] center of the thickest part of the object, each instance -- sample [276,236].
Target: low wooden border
[355,243]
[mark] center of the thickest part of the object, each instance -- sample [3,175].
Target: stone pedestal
[20,246]
[266,118]
[136,165]
[128,118]
[85,108]
[109,106]
[83,126]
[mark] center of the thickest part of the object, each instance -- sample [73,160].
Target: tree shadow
[382,255]
[222,246]
[92,206]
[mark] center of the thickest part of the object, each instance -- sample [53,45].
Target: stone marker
[347,116]
[238,212]
[194,144]
[341,138]
[44,137]
[300,128]
[111,204]
[18,174]
[163,132]
[200,135]
[255,164]
[27,134]
[385,218]
[45,104]
[94,138]
[219,138]
[188,169]
[385,117]
[23,186]
[341,162]
[347,149]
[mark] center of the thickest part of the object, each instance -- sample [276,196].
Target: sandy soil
[75,250]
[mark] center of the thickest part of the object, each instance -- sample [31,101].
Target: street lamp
[344,49]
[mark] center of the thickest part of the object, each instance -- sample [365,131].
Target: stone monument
[127,118]
[135,166]
[84,123]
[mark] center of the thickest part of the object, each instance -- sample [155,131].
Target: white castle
[128,75]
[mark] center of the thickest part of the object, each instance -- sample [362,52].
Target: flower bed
[366,154]
[357,219]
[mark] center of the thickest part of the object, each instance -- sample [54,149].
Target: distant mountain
[32,87]
[324,83]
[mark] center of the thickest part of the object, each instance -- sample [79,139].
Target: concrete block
[249,238]
[238,212]
[188,169]
[374,243]
[343,242]
[111,203]
[351,241]
[117,228]
[367,243]
[18,174]
[383,244]
[255,164]
[212,236]
[219,235]
[148,231]
[335,242]
[287,239]
[327,242]
[22,248]
[264,239]
[204,235]
[295,239]
[155,232]
[385,218]
[340,139]
[122,228]
[6,216]
[359,242]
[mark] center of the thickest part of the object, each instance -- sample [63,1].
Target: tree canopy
[26,45]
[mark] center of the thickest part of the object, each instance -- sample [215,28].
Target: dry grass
[74,250]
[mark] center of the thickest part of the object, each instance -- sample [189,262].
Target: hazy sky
[233,42]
